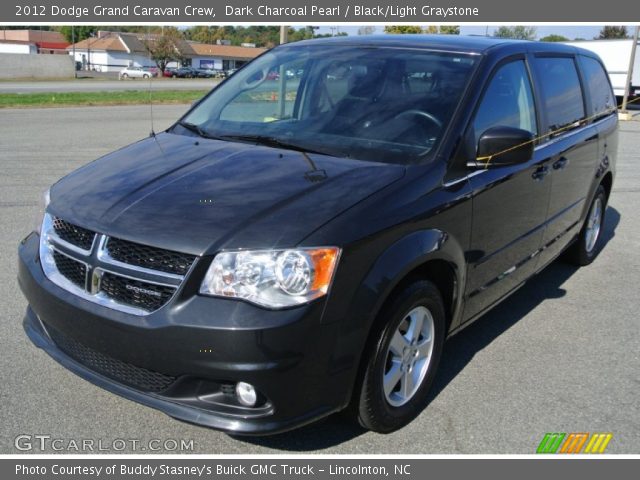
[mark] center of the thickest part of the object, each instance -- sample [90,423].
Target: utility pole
[73,41]
[284,36]
[632,60]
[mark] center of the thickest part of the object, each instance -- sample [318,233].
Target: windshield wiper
[199,130]
[271,142]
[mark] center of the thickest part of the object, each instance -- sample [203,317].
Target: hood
[197,196]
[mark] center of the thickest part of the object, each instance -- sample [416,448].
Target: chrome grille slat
[127,283]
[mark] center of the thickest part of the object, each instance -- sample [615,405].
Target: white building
[32,41]
[113,51]
[18,47]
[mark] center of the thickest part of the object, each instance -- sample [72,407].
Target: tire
[586,247]
[124,76]
[385,410]
[145,76]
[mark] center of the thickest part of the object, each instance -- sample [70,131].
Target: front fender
[406,255]
[356,311]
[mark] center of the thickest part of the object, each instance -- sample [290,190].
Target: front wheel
[402,358]
[587,245]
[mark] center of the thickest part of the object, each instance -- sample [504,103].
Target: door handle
[540,173]
[560,163]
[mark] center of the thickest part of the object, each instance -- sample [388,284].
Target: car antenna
[152,133]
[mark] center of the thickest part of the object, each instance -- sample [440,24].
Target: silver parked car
[134,72]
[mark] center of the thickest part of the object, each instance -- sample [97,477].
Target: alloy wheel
[408,356]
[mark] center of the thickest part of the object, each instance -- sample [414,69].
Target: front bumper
[183,358]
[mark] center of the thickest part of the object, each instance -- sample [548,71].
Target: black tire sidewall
[374,412]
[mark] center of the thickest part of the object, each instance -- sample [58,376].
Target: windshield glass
[379,104]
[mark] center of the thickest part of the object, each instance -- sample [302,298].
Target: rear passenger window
[507,102]
[561,91]
[598,86]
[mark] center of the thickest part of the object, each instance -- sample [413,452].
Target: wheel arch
[607,183]
[430,255]
[423,255]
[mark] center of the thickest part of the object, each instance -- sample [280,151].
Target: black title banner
[313,11]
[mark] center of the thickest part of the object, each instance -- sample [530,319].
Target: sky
[570,31]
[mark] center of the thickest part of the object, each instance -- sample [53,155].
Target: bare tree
[366,30]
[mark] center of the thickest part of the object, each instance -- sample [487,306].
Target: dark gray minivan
[306,237]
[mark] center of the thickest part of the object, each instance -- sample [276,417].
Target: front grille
[72,270]
[78,236]
[119,274]
[136,293]
[149,257]
[131,375]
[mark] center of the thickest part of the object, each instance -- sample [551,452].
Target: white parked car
[134,72]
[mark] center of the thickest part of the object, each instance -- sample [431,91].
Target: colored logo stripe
[598,443]
[573,443]
[550,443]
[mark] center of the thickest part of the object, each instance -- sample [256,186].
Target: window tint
[562,95]
[381,104]
[507,102]
[598,86]
[259,103]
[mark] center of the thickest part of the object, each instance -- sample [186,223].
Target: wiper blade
[271,142]
[199,130]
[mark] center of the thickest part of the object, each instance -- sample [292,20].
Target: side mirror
[500,146]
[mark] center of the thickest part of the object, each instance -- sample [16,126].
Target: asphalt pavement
[94,85]
[561,355]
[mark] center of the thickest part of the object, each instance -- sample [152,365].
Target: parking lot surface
[561,355]
[91,85]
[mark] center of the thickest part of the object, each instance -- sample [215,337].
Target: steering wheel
[419,113]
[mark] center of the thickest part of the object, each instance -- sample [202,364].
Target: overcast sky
[569,31]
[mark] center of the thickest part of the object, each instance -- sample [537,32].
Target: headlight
[42,208]
[272,278]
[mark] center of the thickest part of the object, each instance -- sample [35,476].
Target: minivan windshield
[369,103]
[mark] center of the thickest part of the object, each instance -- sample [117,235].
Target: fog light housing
[246,394]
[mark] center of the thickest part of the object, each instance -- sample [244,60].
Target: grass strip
[125,97]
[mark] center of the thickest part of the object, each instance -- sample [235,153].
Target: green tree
[554,38]
[77,33]
[403,29]
[518,32]
[450,29]
[610,31]
[163,50]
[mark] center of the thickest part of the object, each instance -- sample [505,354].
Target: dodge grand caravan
[304,239]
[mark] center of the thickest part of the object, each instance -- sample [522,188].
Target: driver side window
[507,101]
